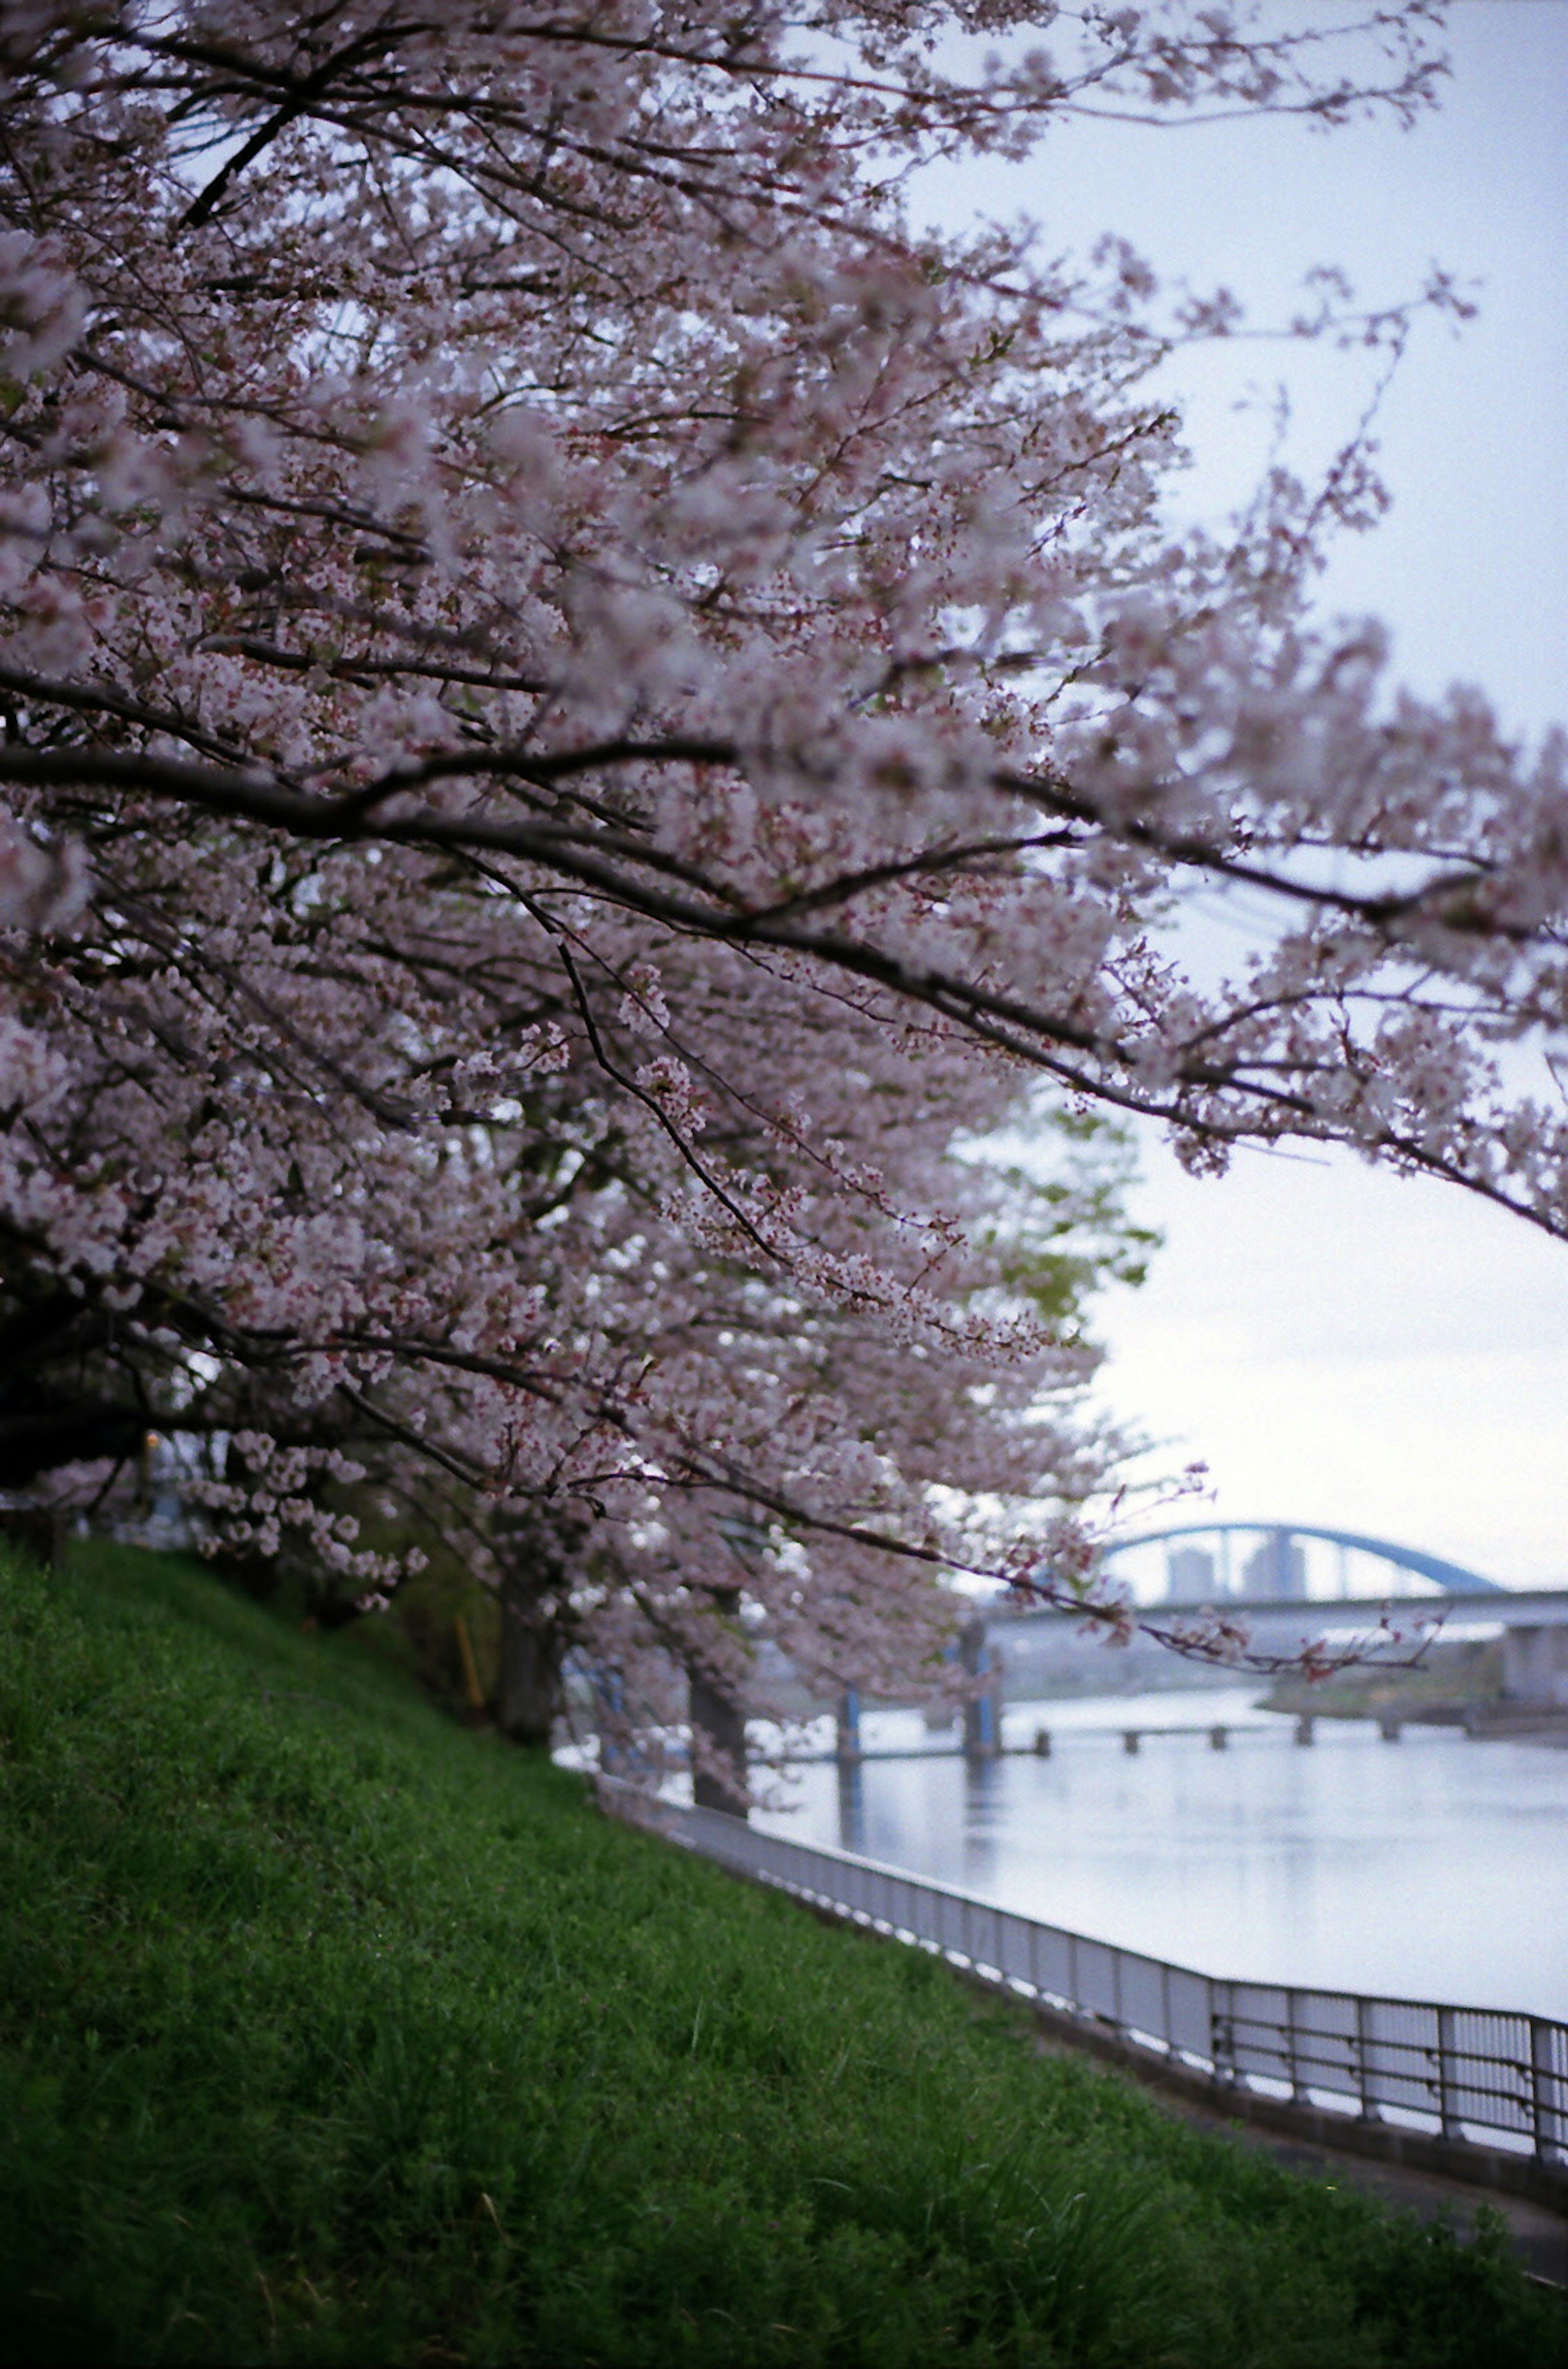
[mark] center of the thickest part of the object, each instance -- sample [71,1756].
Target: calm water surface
[1434,1868]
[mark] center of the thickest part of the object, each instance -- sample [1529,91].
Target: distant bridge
[1272,1617]
[1275,1602]
[1278,1562]
[1281,1616]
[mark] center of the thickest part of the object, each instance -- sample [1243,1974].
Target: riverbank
[331,2032]
[1453,1682]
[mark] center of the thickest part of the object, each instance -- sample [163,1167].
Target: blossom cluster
[585,707]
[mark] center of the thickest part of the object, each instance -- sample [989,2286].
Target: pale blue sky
[1341,1346]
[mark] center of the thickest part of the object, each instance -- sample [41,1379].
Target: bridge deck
[1513,1606]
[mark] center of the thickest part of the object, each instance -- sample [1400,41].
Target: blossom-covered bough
[586,707]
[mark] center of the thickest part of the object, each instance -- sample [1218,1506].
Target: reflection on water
[1434,1868]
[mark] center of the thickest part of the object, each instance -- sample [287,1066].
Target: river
[1434,1868]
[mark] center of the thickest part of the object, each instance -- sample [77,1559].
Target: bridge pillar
[1535,1666]
[847,1746]
[982,1710]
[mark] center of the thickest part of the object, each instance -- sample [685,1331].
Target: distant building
[1189,1574]
[1276,1568]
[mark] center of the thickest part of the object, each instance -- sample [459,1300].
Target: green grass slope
[331,2032]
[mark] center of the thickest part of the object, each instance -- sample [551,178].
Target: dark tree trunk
[723,1722]
[50,1429]
[528,1690]
[50,1414]
[720,1720]
[534,1556]
[37,1531]
[330,1609]
[259,1575]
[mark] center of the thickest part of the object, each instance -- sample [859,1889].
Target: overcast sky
[1340,1346]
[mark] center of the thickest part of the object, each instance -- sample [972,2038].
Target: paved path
[1539,2235]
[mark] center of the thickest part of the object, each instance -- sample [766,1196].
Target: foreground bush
[330,2032]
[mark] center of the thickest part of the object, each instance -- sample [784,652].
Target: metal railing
[1469,2072]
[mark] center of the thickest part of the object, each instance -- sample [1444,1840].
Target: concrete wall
[1535,1666]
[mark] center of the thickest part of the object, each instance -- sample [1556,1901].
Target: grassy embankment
[331,2032]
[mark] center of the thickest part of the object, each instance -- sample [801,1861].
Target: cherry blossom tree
[589,713]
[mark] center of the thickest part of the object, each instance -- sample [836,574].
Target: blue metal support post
[982,1710]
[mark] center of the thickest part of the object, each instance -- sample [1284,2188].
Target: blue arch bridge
[1291,1582]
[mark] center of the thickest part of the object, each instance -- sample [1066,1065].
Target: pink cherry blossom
[589,716]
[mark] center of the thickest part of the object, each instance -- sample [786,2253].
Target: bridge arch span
[1454,1578]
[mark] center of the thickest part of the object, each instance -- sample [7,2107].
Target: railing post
[1447,2113]
[1292,2054]
[1370,2111]
[1222,2032]
[1546,2116]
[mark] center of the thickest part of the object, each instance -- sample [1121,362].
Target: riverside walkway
[1468,2094]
